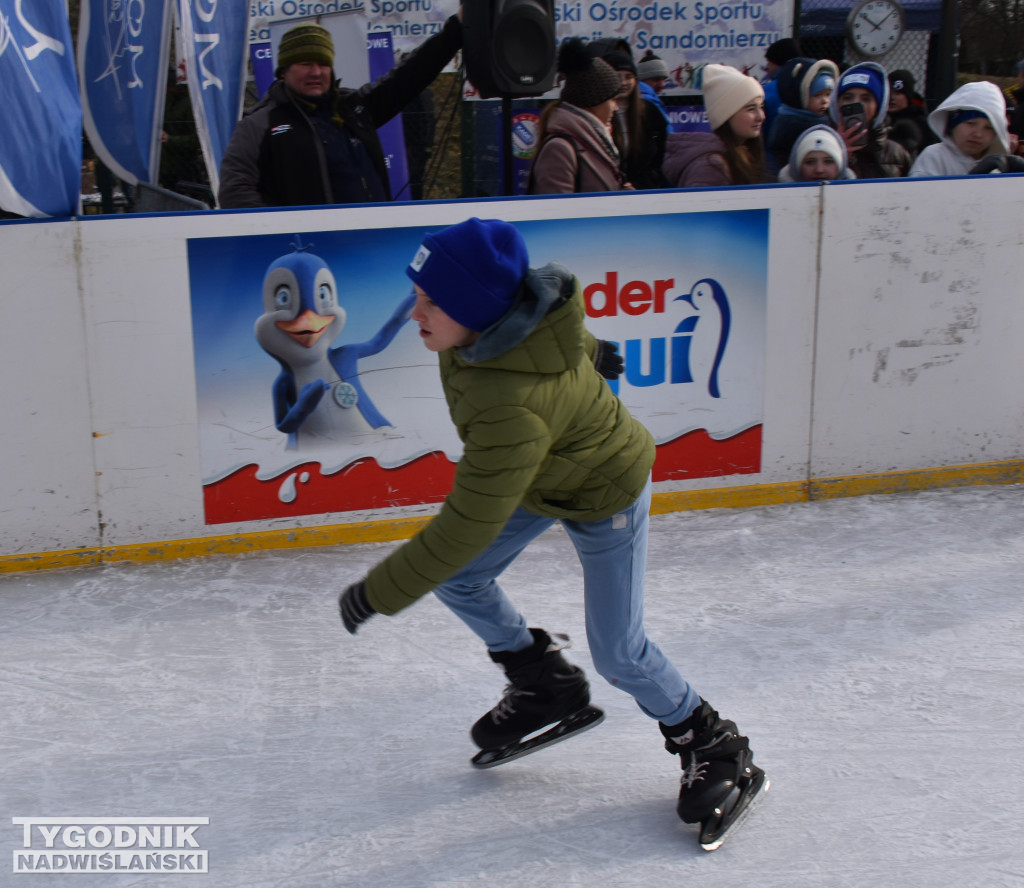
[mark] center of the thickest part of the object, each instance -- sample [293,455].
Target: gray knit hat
[651,66]
[588,81]
[305,43]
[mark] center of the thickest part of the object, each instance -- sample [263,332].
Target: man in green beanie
[311,142]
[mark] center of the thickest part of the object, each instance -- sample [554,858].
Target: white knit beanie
[726,90]
[819,138]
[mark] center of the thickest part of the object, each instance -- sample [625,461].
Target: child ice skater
[545,439]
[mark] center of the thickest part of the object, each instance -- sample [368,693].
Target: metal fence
[821,31]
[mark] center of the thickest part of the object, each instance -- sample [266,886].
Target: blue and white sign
[122,69]
[41,145]
[215,44]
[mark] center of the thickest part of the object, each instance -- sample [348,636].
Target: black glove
[999,163]
[355,609]
[607,359]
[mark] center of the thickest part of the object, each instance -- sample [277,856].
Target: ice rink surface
[870,647]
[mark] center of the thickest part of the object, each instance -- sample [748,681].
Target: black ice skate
[544,691]
[720,780]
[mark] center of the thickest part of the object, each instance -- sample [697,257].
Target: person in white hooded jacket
[972,125]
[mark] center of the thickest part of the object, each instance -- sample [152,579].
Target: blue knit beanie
[866,78]
[823,81]
[472,270]
[961,115]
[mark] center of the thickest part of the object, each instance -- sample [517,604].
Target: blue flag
[215,44]
[392,135]
[41,121]
[122,69]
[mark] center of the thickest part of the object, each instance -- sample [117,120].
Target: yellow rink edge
[1008,472]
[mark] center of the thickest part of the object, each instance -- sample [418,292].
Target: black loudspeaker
[509,46]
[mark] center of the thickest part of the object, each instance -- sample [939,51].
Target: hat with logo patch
[472,270]
[866,76]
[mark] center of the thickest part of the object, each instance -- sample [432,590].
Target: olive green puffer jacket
[541,429]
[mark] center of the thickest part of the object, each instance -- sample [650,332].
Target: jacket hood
[535,314]
[797,75]
[880,78]
[981,96]
[795,154]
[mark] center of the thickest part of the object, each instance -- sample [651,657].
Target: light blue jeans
[613,553]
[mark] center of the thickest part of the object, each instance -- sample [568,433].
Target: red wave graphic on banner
[305,490]
[363,484]
[698,455]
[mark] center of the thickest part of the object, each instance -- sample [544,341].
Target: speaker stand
[507,170]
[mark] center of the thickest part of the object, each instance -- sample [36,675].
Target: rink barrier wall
[893,361]
[389,531]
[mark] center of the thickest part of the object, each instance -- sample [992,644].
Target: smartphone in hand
[851,116]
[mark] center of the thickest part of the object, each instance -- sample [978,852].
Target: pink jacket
[577,155]
[695,160]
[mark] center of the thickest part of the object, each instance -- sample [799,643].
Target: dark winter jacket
[541,430]
[881,158]
[642,165]
[910,128]
[795,80]
[277,158]
[789,124]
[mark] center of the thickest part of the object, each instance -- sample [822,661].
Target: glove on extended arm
[355,609]
[607,359]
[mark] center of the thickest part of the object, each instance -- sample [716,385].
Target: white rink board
[920,326]
[108,417]
[48,489]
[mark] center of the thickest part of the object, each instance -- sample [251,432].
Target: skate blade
[714,831]
[583,720]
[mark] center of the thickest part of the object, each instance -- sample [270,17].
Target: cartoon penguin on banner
[707,297]
[318,397]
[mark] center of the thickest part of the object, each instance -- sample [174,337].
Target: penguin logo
[709,299]
[301,319]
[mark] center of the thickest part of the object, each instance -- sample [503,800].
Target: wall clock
[874,27]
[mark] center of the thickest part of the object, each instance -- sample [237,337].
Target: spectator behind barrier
[818,155]
[873,155]
[575,151]
[805,86]
[908,118]
[972,124]
[780,52]
[638,127]
[311,142]
[733,154]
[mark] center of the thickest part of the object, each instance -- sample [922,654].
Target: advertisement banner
[122,69]
[687,35]
[315,394]
[409,22]
[41,151]
[215,40]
